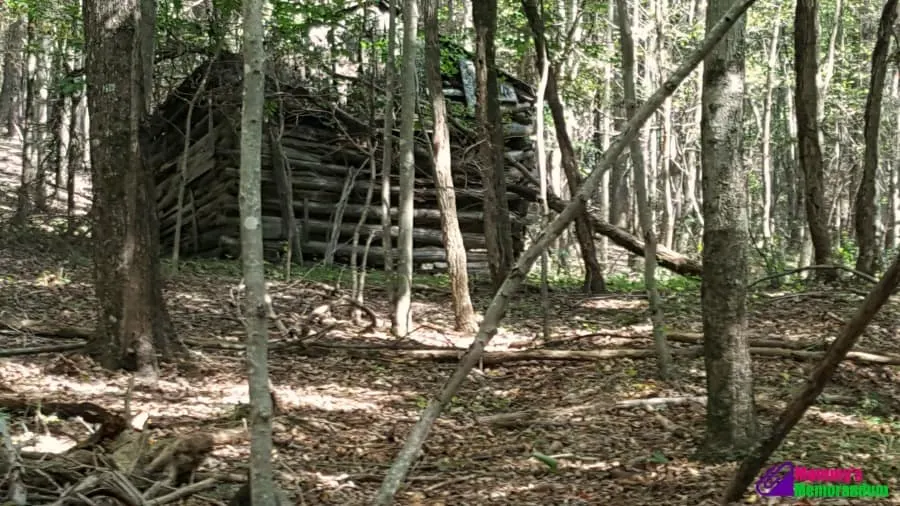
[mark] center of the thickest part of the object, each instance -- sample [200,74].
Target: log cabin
[320,159]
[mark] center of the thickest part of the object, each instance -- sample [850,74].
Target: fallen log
[683,337]
[671,260]
[507,357]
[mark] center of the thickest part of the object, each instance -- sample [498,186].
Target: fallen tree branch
[681,337]
[837,352]
[37,350]
[507,357]
[543,415]
[859,274]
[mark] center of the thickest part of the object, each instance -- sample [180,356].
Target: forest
[449,252]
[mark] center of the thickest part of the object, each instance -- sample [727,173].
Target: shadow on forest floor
[346,413]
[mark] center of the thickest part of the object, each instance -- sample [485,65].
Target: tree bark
[255,320]
[865,204]
[133,324]
[767,203]
[387,160]
[593,272]
[443,177]
[13,71]
[645,209]
[497,229]
[494,314]
[731,425]
[810,151]
[403,315]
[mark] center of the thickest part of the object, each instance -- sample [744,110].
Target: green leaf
[547,460]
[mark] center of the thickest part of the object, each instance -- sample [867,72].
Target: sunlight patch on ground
[614,303]
[30,442]
[337,398]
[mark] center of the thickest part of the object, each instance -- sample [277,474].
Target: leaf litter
[344,414]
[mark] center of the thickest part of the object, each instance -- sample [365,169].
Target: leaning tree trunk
[133,323]
[403,310]
[731,425]
[865,197]
[497,229]
[261,485]
[443,178]
[593,272]
[807,98]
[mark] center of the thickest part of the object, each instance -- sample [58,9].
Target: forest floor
[349,396]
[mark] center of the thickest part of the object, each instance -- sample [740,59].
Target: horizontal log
[355,211]
[423,236]
[375,255]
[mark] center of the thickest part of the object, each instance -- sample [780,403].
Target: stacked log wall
[323,154]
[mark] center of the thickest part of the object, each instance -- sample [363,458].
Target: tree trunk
[731,425]
[810,151]
[865,197]
[593,273]
[403,315]
[13,71]
[133,324]
[497,229]
[443,178]
[645,209]
[387,160]
[767,201]
[261,483]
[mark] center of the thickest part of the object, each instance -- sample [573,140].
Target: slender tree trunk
[443,177]
[403,315]
[255,320]
[498,232]
[645,209]
[731,426]
[893,230]
[810,151]
[865,207]
[13,71]
[767,201]
[593,281]
[388,154]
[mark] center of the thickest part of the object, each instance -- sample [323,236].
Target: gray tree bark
[497,231]
[403,314]
[806,51]
[443,178]
[255,320]
[645,209]
[865,204]
[731,426]
[13,71]
[133,325]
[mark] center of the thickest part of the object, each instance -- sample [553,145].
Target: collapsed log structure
[318,161]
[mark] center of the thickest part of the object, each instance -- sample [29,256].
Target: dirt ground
[346,410]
